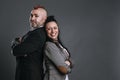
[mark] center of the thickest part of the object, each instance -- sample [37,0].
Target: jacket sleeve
[53,53]
[29,45]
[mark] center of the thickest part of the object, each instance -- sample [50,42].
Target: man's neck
[32,28]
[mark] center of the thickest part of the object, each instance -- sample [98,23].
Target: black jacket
[29,55]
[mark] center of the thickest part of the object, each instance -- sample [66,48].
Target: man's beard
[34,25]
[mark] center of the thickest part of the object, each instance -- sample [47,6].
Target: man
[29,49]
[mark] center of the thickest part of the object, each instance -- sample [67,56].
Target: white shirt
[66,77]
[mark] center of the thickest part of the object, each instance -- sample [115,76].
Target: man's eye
[36,16]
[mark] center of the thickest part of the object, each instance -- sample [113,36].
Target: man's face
[37,18]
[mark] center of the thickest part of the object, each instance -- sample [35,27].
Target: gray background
[89,29]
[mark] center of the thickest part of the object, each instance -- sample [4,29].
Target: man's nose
[33,18]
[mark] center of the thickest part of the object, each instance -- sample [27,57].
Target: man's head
[38,16]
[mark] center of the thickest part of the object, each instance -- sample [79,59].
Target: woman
[57,58]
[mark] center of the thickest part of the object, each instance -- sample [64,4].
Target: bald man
[29,48]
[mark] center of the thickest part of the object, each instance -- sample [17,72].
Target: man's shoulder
[39,31]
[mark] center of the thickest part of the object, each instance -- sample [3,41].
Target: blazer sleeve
[53,53]
[29,45]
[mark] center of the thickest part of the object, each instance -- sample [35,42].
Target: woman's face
[52,30]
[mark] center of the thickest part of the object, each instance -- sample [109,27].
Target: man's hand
[19,39]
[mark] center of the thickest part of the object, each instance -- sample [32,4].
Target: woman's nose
[52,30]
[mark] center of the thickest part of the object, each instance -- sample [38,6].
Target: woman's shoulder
[50,44]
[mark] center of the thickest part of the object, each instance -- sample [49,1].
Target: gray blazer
[54,57]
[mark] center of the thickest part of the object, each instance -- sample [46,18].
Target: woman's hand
[67,62]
